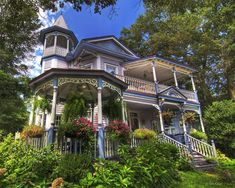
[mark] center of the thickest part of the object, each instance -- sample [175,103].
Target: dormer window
[50,41]
[112,69]
[61,41]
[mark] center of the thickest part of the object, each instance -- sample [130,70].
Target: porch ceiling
[143,70]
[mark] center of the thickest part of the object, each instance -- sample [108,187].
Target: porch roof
[58,72]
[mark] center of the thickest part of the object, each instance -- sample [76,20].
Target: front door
[134,121]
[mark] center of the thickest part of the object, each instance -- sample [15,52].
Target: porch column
[51,135]
[175,77]
[32,114]
[194,88]
[160,117]
[123,110]
[55,43]
[155,76]
[100,118]
[201,121]
[45,43]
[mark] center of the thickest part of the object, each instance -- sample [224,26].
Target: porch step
[200,163]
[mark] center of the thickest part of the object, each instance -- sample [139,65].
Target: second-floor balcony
[147,87]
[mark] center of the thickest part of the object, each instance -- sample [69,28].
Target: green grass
[201,180]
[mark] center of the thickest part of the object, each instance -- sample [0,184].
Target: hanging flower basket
[32,131]
[167,116]
[118,131]
[144,134]
[80,128]
[189,117]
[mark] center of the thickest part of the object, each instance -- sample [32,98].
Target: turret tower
[57,41]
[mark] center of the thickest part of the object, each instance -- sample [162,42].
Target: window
[86,66]
[57,120]
[61,41]
[112,69]
[134,121]
[50,41]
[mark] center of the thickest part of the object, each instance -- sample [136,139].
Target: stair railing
[201,147]
[183,149]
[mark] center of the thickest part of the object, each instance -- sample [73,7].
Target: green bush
[109,174]
[226,171]
[154,164]
[73,167]
[185,165]
[144,133]
[25,166]
[198,134]
[220,125]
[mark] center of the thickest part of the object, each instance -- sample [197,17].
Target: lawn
[201,180]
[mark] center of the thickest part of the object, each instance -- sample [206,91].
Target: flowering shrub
[32,131]
[118,130]
[144,133]
[78,128]
[58,183]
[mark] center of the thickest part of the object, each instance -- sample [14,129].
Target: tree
[13,114]
[197,33]
[220,125]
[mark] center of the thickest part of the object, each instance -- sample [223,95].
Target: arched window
[61,41]
[50,41]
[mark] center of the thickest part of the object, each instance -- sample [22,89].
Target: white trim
[120,44]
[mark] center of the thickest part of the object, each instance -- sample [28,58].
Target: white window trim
[111,65]
[87,65]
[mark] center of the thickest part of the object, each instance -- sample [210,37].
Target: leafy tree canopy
[220,125]
[197,33]
[13,114]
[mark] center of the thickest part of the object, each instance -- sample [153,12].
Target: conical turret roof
[60,21]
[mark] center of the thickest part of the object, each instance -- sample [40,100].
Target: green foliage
[154,164]
[226,171]
[113,109]
[73,167]
[195,179]
[25,166]
[144,133]
[78,5]
[198,134]
[109,174]
[185,165]
[196,33]
[75,107]
[13,112]
[220,125]
[43,104]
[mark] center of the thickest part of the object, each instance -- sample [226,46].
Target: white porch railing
[135,84]
[143,86]
[55,50]
[201,147]
[184,152]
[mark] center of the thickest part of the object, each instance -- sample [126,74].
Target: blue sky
[86,24]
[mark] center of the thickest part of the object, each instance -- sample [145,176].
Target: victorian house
[102,68]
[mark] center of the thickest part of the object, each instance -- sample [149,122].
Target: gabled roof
[83,45]
[112,38]
[173,92]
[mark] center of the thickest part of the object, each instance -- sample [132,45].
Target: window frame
[111,65]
